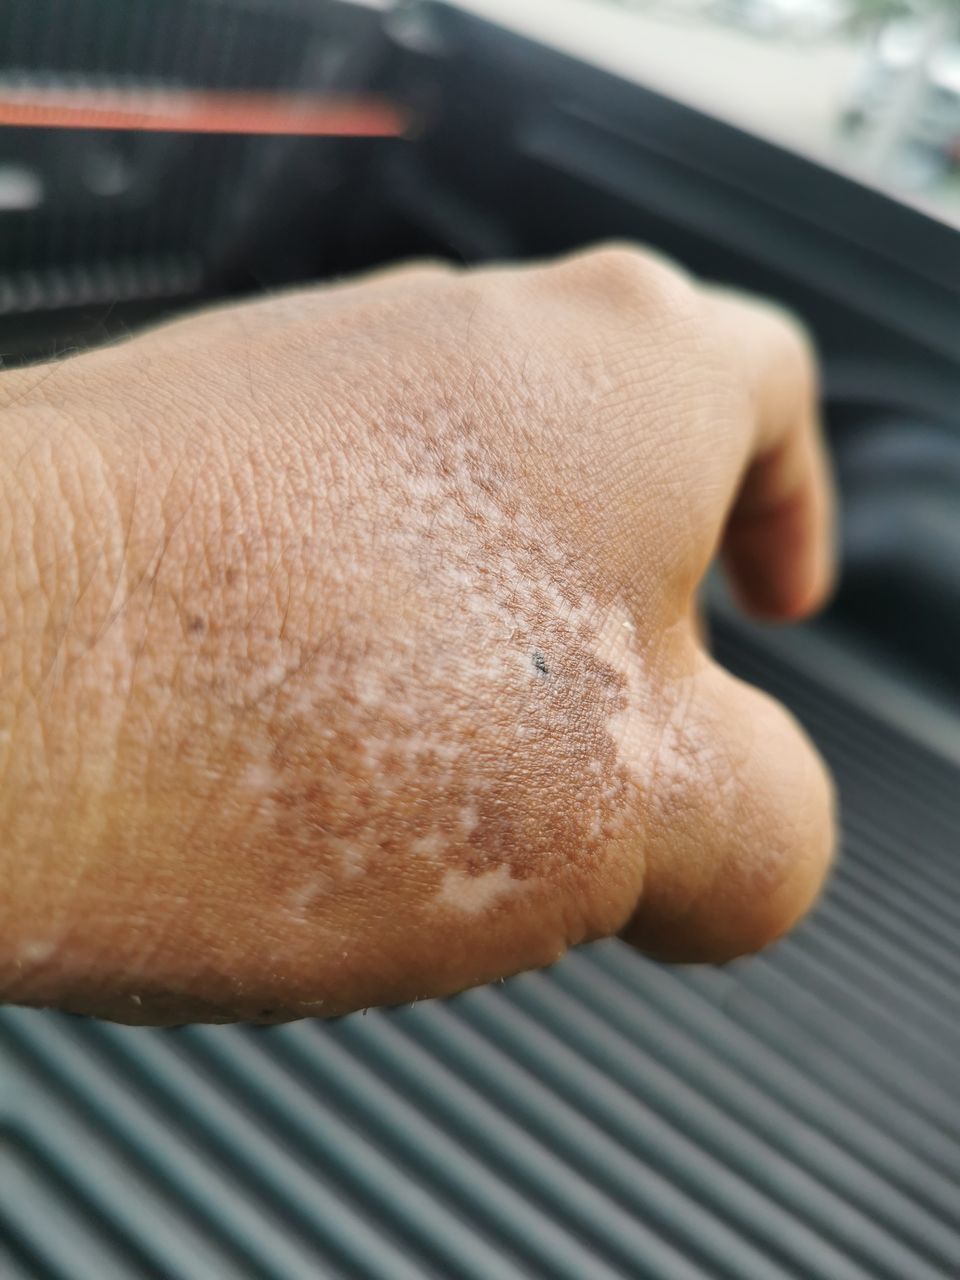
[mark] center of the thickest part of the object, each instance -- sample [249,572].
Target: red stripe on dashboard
[178,111]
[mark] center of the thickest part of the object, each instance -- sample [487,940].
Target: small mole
[540,663]
[195,623]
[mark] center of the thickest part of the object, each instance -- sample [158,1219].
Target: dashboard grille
[792,1115]
[91,217]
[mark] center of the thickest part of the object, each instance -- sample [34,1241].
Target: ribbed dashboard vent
[794,1115]
[99,216]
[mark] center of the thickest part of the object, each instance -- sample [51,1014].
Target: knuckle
[802,353]
[637,277]
[795,344]
[780,842]
[421,268]
[744,827]
[618,258]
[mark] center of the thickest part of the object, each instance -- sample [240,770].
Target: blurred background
[871,87]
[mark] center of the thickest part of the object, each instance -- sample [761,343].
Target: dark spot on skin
[195,623]
[540,663]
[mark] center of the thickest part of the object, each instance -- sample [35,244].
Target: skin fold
[348,644]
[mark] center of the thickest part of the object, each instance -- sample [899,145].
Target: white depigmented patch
[407,751]
[304,702]
[629,727]
[692,756]
[353,857]
[473,894]
[266,681]
[369,686]
[257,783]
[260,779]
[418,743]
[428,846]
[34,952]
[469,820]
[308,893]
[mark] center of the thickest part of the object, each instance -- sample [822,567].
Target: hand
[349,651]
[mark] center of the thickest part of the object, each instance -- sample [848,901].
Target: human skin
[348,643]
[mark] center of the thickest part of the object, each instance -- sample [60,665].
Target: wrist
[61,545]
[145,582]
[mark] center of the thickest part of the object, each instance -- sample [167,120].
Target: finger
[742,829]
[779,540]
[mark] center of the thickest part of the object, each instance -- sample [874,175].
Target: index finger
[778,544]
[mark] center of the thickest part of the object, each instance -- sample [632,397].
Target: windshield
[870,87]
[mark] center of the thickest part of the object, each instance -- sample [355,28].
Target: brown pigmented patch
[402,754]
[483,741]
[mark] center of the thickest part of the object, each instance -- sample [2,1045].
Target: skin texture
[348,648]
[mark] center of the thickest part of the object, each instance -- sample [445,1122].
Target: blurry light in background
[20,188]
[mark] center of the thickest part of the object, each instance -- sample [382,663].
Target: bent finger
[778,545]
[742,830]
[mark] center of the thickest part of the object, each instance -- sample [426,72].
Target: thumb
[741,825]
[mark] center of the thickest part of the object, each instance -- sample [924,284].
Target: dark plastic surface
[797,1114]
